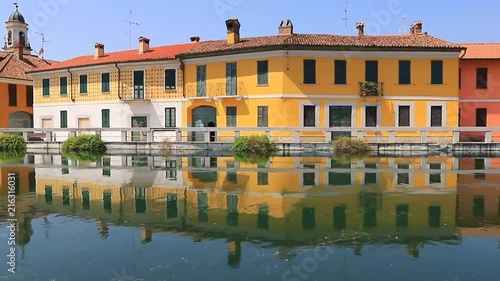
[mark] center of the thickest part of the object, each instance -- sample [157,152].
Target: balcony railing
[134,93]
[371,89]
[214,90]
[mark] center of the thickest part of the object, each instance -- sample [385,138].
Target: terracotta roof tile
[478,51]
[14,68]
[156,53]
[326,40]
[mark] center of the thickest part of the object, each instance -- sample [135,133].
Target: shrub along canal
[291,218]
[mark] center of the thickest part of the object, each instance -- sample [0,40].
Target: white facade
[120,113]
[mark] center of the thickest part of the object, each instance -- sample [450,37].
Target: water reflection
[288,203]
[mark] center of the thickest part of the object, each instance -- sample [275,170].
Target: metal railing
[277,134]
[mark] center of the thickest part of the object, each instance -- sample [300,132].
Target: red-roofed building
[134,88]
[480,89]
[16,86]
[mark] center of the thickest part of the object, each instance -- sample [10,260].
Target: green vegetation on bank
[346,146]
[84,144]
[254,149]
[12,147]
[82,156]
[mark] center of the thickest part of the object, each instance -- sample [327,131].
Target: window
[309,118]
[140,200]
[48,195]
[340,72]
[106,166]
[309,178]
[63,85]
[308,218]
[231,83]
[371,70]
[339,217]
[436,116]
[404,72]
[231,177]
[46,87]
[201,83]
[478,206]
[202,206]
[231,116]
[170,117]
[403,177]
[105,79]
[172,206]
[262,116]
[86,199]
[232,209]
[139,84]
[64,119]
[263,217]
[170,79]
[65,165]
[262,72]
[171,169]
[343,178]
[402,215]
[29,96]
[435,178]
[309,71]
[262,177]
[479,164]
[105,116]
[83,84]
[481,78]
[370,178]
[434,216]
[481,117]
[12,95]
[107,202]
[436,72]
[404,116]
[340,116]
[65,196]
[371,117]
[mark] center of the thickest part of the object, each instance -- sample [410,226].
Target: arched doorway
[20,119]
[204,116]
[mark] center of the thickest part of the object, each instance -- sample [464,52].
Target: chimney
[360,26]
[18,50]
[99,50]
[233,31]
[285,28]
[143,45]
[416,28]
[195,39]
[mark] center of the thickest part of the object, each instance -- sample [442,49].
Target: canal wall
[192,147]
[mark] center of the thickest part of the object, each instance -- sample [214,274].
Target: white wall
[120,116]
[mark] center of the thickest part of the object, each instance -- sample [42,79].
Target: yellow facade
[285,93]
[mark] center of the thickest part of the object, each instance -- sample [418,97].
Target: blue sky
[73,26]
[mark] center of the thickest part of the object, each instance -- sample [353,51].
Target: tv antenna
[346,15]
[402,29]
[130,23]
[42,50]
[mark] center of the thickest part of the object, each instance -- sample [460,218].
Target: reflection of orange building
[478,193]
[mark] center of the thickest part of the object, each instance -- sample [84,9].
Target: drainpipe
[183,77]
[465,52]
[119,81]
[71,85]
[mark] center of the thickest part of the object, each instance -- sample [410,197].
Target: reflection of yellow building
[273,202]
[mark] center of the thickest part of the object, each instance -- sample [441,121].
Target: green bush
[89,144]
[252,159]
[83,156]
[12,144]
[352,147]
[12,156]
[254,149]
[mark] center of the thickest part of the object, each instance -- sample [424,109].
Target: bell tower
[17,33]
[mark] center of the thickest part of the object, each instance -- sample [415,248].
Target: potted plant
[369,88]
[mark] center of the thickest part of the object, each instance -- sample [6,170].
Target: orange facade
[16,106]
[480,90]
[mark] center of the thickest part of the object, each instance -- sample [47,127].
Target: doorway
[83,123]
[340,116]
[139,122]
[204,116]
[481,117]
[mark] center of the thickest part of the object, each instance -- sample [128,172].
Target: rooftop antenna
[402,29]
[346,16]
[42,50]
[131,23]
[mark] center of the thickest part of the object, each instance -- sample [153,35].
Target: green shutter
[309,71]
[404,72]
[170,117]
[201,89]
[105,79]
[371,71]
[262,72]
[105,118]
[231,114]
[64,119]
[83,84]
[170,79]
[437,72]
[231,78]
[340,69]
[63,85]
[46,87]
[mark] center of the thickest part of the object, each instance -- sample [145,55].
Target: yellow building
[136,88]
[319,80]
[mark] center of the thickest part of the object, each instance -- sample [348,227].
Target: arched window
[22,39]
[9,38]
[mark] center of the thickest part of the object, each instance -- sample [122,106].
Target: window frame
[233,117]
[440,81]
[172,121]
[263,75]
[103,89]
[335,76]
[12,92]
[86,84]
[259,116]
[412,114]
[314,78]
[61,92]
[481,85]
[174,69]
[303,112]
[46,90]
[403,75]
[103,124]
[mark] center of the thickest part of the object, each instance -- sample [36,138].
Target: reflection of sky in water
[424,225]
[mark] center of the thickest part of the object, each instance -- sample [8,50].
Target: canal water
[214,218]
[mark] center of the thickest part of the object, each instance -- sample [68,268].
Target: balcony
[215,91]
[371,89]
[134,94]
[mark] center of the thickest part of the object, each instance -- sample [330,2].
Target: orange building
[16,87]
[480,89]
